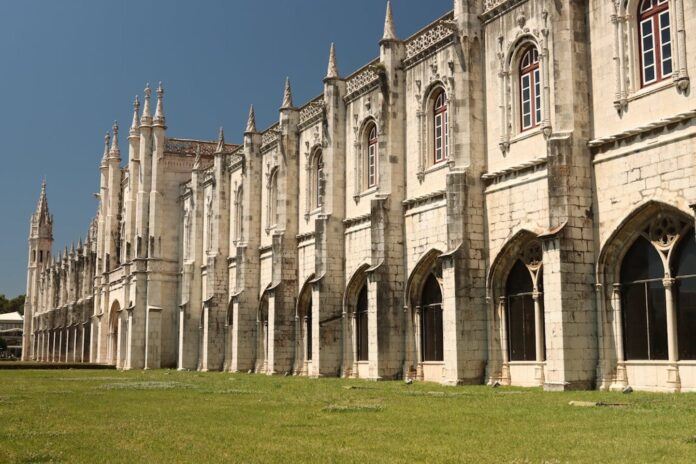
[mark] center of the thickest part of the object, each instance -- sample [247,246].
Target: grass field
[166,416]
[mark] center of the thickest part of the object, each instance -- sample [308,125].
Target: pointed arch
[506,259]
[419,274]
[617,244]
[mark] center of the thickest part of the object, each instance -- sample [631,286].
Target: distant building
[507,196]
[11,328]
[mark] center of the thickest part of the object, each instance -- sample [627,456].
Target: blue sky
[69,68]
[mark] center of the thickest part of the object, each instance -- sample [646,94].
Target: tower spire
[287,95]
[115,151]
[332,71]
[146,118]
[159,112]
[251,122]
[389,30]
[41,214]
[135,124]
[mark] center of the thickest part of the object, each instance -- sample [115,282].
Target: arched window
[530,89]
[239,215]
[372,155]
[519,290]
[685,272]
[273,199]
[431,320]
[317,177]
[655,41]
[643,303]
[441,125]
[361,325]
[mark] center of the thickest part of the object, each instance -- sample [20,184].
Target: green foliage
[10,306]
[170,416]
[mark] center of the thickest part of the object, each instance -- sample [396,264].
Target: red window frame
[530,81]
[371,159]
[440,128]
[650,14]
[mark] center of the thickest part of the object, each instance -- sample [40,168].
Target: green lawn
[167,416]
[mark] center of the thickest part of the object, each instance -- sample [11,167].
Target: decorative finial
[332,72]
[389,31]
[221,141]
[135,124]
[159,112]
[251,122]
[115,150]
[107,139]
[146,118]
[287,95]
[197,161]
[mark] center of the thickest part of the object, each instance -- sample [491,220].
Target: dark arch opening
[431,320]
[361,326]
[519,289]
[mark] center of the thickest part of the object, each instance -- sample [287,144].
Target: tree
[10,306]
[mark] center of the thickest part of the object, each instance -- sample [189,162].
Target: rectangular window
[371,165]
[645,321]
[648,51]
[666,47]
[431,338]
[526,102]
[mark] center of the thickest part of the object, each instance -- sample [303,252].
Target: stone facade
[463,209]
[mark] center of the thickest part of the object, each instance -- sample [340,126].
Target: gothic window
[361,325]
[530,89]
[643,303]
[209,225]
[655,41]
[316,178]
[273,199]
[685,273]
[440,127]
[187,234]
[519,290]
[239,215]
[371,160]
[431,320]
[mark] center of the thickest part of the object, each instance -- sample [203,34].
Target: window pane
[686,322]
[635,325]
[686,256]
[657,320]
[308,333]
[641,263]
[431,322]
[361,325]
[519,280]
[521,333]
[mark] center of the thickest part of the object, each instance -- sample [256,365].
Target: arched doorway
[262,335]
[431,320]
[303,329]
[356,344]
[112,355]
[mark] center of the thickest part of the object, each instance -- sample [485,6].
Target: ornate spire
[251,122]
[72,248]
[389,31]
[221,141]
[41,215]
[146,118]
[332,71]
[115,151]
[159,112]
[107,139]
[135,124]
[287,95]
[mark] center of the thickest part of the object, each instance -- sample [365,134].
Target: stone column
[539,337]
[620,381]
[505,371]
[673,379]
